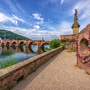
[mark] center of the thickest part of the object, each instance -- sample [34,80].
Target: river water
[20,53]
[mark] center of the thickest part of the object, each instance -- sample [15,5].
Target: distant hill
[10,35]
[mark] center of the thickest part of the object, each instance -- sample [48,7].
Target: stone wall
[10,75]
[68,44]
[68,37]
[83,49]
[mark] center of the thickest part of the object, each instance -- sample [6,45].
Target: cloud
[40,22]
[14,19]
[62,1]
[33,34]
[6,19]
[37,16]
[85,15]
[62,28]
[36,27]
[36,32]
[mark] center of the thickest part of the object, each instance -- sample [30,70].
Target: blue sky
[43,18]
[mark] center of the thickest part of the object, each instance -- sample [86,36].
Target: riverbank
[59,73]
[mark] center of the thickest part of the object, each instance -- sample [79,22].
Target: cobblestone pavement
[59,73]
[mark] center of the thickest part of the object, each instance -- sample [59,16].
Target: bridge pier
[39,45]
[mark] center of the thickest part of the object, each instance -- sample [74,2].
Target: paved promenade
[59,73]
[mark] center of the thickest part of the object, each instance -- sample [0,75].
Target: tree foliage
[11,35]
[54,43]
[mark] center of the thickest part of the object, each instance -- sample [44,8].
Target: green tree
[54,43]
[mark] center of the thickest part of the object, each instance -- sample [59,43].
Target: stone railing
[10,75]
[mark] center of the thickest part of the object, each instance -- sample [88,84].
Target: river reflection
[21,53]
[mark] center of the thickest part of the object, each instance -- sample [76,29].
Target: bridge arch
[44,43]
[7,44]
[13,44]
[22,43]
[33,46]
[32,43]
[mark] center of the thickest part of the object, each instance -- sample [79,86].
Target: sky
[43,18]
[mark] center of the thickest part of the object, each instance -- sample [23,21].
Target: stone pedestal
[75,30]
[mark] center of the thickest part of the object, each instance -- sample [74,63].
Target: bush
[10,61]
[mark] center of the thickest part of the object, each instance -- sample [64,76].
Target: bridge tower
[42,39]
[75,25]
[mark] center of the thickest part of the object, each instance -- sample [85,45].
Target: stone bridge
[27,43]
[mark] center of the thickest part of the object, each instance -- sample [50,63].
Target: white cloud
[6,19]
[37,16]
[36,27]
[85,15]
[62,28]
[33,34]
[62,1]
[14,19]
[40,22]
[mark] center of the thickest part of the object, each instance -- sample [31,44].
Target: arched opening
[84,46]
[7,44]
[13,44]
[22,46]
[45,46]
[33,47]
